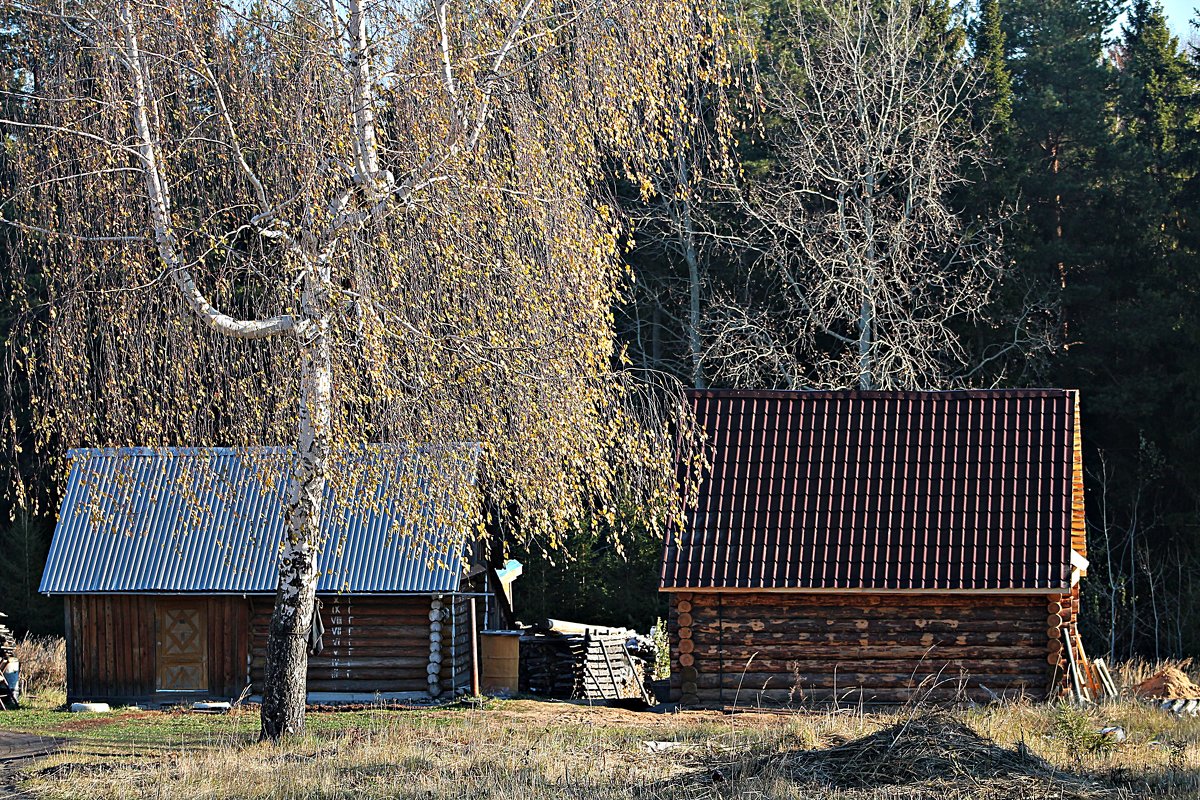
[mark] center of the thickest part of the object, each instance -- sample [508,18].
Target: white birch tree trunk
[866,314]
[285,690]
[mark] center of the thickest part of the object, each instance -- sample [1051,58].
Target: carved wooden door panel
[182,652]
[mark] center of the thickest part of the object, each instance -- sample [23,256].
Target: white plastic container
[12,676]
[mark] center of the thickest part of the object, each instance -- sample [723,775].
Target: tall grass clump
[43,665]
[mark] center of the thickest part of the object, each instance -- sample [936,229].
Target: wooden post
[1073,670]
[474,652]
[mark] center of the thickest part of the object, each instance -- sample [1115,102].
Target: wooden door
[182,651]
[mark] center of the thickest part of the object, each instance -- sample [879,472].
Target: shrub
[662,650]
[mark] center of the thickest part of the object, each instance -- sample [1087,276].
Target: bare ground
[17,750]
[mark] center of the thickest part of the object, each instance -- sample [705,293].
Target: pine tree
[24,544]
[945,34]
[1137,339]
[1142,273]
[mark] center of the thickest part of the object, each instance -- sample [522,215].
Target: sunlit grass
[526,749]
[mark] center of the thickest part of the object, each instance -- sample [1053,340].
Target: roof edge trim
[1054,590]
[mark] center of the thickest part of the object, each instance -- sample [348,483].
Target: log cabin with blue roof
[166,561]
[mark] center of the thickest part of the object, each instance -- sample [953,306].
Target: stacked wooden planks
[574,661]
[549,664]
[788,647]
[610,672]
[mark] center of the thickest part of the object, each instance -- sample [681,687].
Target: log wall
[111,644]
[777,647]
[373,643]
[1078,518]
[456,643]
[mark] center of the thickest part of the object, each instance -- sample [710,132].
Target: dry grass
[929,751]
[533,750]
[43,665]
[528,750]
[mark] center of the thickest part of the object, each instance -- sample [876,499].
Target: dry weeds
[43,664]
[528,750]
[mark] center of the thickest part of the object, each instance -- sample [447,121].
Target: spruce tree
[1136,335]
[1143,267]
[1153,79]
[995,107]
[1060,135]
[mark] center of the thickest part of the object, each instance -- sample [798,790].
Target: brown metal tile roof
[881,490]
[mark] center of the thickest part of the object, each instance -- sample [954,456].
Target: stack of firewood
[582,662]
[548,663]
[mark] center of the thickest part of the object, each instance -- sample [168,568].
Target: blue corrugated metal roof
[212,520]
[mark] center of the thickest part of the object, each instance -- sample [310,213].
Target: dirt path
[16,749]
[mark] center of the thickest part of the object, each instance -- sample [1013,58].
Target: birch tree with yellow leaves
[319,224]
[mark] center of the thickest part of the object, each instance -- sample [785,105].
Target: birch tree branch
[160,210]
[509,40]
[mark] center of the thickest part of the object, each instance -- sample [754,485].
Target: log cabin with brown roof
[879,547]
